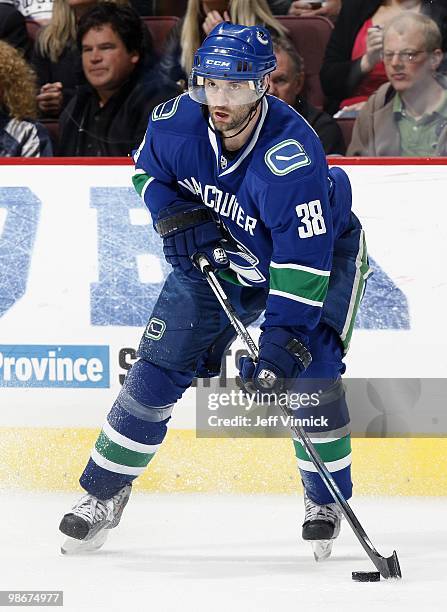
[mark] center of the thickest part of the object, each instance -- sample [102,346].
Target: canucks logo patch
[287,156]
[155,329]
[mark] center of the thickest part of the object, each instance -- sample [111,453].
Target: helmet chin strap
[245,122]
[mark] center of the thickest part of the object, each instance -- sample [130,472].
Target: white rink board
[401,207]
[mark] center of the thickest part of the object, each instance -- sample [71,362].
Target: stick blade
[389,567]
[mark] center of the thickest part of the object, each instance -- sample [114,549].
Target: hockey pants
[186,337]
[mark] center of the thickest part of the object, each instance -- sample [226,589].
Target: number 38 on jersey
[311,217]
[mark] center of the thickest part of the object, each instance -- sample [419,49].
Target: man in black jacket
[108,116]
[287,83]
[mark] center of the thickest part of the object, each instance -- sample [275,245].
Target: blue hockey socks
[134,429]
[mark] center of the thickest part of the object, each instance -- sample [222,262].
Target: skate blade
[80,547]
[322,549]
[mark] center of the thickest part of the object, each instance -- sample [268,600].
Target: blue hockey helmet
[233,53]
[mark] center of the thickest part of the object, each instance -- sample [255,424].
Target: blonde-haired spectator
[20,135]
[200,18]
[408,115]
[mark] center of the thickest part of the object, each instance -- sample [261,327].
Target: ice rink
[234,553]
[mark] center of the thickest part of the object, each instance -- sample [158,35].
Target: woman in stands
[56,58]
[353,69]
[200,18]
[20,135]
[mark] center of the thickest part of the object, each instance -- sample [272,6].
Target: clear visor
[217,92]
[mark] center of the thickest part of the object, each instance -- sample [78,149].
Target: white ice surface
[225,553]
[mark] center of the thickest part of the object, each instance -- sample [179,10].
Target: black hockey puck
[366,576]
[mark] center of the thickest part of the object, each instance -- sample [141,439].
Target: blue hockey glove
[282,358]
[189,230]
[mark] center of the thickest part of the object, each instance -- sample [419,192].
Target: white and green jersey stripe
[299,283]
[141,182]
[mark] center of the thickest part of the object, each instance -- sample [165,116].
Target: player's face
[285,82]
[226,103]
[407,63]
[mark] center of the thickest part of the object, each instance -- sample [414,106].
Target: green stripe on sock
[299,282]
[328,451]
[118,454]
[139,181]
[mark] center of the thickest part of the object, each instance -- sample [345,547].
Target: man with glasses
[407,116]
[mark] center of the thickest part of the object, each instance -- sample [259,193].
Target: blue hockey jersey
[288,218]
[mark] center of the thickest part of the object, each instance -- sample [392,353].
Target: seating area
[159,27]
[309,35]
[346,125]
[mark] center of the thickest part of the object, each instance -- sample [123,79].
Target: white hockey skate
[321,526]
[87,525]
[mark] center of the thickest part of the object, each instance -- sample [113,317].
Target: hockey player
[240,177]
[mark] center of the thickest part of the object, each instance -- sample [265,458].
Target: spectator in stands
[200,18]
[109,115]
[408,115]
[287,82]
[20,135]
[12,27]
[56,57]
[38,10]
[353,69]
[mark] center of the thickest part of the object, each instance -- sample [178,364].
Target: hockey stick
[387,566]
